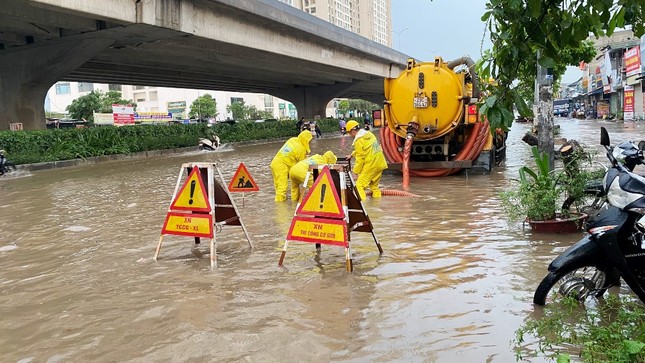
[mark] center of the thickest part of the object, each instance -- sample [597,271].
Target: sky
[451,29]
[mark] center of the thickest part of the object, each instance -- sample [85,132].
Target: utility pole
[543,122]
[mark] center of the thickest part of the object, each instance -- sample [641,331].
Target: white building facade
[165,99]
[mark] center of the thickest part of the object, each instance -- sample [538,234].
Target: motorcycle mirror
[604,137]
[641,145]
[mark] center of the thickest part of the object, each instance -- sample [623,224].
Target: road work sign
[324,218]
[201,206]
[319,230]
[192,195]
[242,181]
[188,224]
[322,200]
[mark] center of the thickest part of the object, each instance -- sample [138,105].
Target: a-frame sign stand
[329,212]
[195,211]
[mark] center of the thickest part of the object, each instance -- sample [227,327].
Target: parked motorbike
[208,144]
[594,194]
[6,166]
[615,244]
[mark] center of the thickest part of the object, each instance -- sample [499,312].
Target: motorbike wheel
[578,283]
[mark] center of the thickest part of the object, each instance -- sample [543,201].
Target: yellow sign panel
[318,230]
[322,200]
[192,195]
[188,224]
[242,181]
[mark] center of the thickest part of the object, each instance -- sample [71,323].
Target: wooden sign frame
[355,216]
[223,210]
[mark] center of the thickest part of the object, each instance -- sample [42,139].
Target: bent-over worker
[293,151]
[370,161]
[298,172]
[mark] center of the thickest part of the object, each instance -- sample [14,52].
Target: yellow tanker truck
[432,122]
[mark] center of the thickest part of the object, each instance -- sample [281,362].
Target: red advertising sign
[123,114]
[628,113]
[633,61]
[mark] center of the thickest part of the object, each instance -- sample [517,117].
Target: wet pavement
[78,283]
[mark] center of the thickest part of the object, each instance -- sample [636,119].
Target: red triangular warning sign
[192,195]
[322,200]
[242,181]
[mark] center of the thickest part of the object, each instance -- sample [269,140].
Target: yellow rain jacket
[369,163]
[293,151]
[298,172]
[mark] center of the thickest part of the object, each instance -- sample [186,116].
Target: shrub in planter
[538,194]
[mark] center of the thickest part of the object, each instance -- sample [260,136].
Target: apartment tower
[369,18]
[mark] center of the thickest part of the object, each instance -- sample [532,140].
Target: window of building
[313,10]
[85,87]
[237,99]
[136,88]
[268,101]
[63,88]
[115,87]
[139,97]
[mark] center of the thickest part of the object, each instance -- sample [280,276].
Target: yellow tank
[429,94]
[432,122]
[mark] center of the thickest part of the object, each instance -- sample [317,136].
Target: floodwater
[78,282]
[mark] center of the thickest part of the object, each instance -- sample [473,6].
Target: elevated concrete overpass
[260,46]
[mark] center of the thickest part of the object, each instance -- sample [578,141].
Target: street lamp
[399,32]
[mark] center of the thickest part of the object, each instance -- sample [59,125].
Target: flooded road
[78,283]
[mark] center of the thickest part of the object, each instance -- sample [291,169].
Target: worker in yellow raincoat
[293,151]
[298,172]
[370,161]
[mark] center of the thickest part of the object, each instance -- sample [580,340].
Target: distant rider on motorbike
[5,164]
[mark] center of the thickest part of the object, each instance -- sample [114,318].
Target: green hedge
[26,147]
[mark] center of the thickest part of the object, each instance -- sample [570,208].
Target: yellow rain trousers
[370,163]
[293,151]
[298,172]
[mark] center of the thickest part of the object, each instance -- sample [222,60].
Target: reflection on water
[455,280]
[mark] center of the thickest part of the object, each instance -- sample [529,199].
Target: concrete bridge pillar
[27,73]
[309,101]
[312,101]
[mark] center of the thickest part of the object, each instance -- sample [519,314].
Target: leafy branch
[558,29]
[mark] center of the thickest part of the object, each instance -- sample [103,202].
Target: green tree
[95,101]
[557,29]
[203,107]
[238,109]
[113,98]
[343,107]
[362,106]
[85,106]
[252,113]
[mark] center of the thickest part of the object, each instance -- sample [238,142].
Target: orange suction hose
[393,192]
[473,147]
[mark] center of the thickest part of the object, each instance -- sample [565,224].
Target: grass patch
[612,331]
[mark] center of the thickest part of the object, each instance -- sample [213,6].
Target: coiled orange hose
[469,152]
